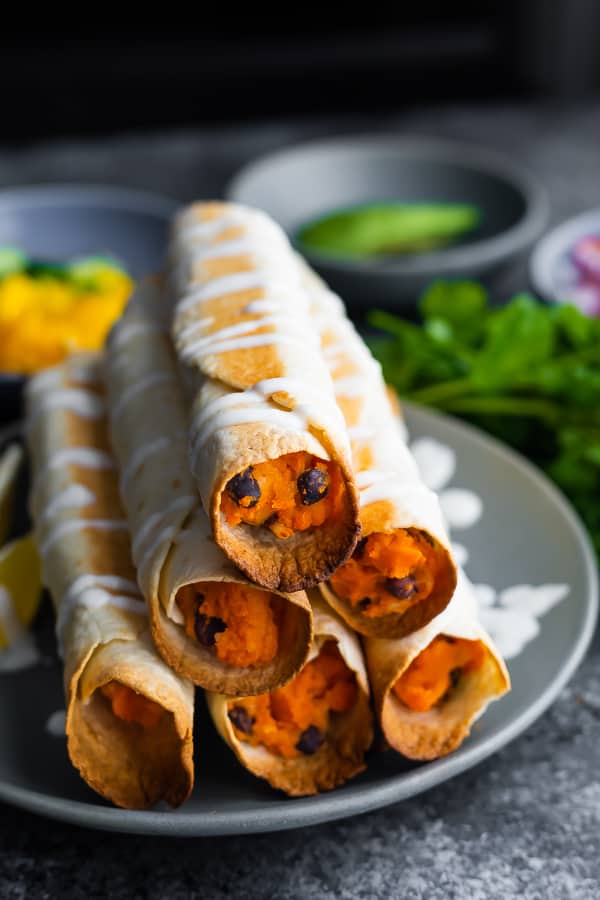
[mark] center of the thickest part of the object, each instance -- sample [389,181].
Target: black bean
[360,548]
[402,588]
[313,485]
[365,603]
[455,676]
[427,537]
[207,628]
[310,740]
[242,719]
[243,489]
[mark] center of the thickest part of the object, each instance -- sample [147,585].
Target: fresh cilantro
[526,372]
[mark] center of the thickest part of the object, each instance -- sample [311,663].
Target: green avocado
[378,229]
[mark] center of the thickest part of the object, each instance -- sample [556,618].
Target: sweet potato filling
[388,573]
[130,706]
[295,719]
[289,494]
[240,622]
[436,670]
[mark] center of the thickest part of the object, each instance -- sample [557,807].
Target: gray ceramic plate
[301,183]
[527,534]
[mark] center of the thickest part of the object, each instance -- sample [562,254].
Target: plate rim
[364,798]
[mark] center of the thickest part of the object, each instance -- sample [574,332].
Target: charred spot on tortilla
[207,628]
[313,485]
[243,489]
[311,740]
[365,603]
[402,588]
[241,719]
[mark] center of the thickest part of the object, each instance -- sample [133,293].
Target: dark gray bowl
[60,222]
[309,180]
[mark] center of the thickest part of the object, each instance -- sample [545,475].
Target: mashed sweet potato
[388,573]
[436,670]
[239,621]
[295,492]
[294,720]
[130,706]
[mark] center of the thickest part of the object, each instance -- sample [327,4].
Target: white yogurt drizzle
[110,582]
[279,321]
[45,380]
[147,558]
[237,247]
[75,496]
[201,349]
[368,477]
[193,328]
[63,528]
[127,331]
[56,723]
[253,405]
[86,457]
[94,598]
[138,387]
[210,229]
[83,403]
[219,287]
[156,521]
[391,488]
[139,456]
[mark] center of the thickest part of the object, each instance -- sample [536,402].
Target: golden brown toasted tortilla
[173,547]
[242,325]
[393,498]
[102,623]
[341,755]
[440,730]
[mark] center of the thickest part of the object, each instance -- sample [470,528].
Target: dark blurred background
[192,66]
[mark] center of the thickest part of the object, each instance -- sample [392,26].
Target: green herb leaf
[526,372]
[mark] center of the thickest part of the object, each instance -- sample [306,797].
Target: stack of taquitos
[312,734]
[129,717]
[317,727]
[432,667]
[401,574]
[269,447]
[430,686]
[208,621]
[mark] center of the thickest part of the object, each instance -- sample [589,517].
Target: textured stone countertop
[525,823]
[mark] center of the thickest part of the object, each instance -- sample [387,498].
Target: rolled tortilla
[208,621]
[431,686]
[129,717]
[401,574]
[308,748]
[269,447]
